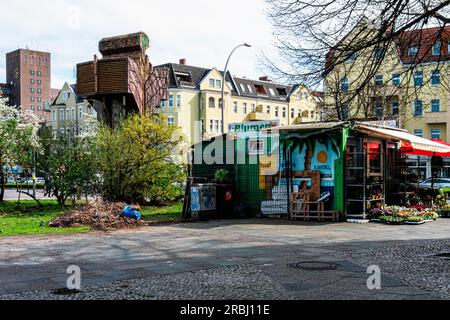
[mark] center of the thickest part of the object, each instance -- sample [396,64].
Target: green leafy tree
[18,138]
[136,160]
[70,165]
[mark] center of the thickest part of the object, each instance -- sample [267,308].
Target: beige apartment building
[195,101]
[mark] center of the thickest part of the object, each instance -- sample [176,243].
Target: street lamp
[223,82]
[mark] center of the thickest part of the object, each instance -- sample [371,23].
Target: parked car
[438,183]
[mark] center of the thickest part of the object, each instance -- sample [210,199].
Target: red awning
[407,148]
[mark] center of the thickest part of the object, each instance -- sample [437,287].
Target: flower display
[400,215]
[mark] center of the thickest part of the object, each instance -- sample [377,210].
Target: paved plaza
[235,259]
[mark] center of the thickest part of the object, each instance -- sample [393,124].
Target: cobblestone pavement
[248,259]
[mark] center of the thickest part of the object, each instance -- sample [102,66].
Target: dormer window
[260,90]
[183,77]
[281,91]
[412,51]
[242,87]
[272,92]
[436,51]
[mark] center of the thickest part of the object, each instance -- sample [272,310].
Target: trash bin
[203,201]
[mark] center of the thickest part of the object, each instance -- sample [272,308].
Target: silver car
[438,183]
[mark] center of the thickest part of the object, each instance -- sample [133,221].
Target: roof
[239,86]
[311,126]
[424,40]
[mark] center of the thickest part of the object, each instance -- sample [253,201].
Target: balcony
[259,116]
[436,117]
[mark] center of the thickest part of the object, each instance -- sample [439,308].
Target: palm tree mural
[310,143]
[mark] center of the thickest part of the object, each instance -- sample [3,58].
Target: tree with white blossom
[18,138]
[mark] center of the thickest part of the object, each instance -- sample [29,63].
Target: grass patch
[162,214]
[24,185]
[28,218]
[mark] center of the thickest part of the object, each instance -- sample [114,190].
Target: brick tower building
[28,73]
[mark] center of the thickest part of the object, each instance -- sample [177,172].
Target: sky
[202,31]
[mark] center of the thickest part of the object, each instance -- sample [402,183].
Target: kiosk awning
[411,144]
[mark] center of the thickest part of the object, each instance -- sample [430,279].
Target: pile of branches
[99,215]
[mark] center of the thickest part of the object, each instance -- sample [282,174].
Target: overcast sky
[202,31]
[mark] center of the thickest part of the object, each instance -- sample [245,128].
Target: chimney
[183,61]
[265,78]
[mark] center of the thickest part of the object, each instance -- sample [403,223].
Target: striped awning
[411,144]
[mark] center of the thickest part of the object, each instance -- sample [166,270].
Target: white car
[438,183]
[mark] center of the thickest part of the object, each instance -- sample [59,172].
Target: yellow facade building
[195,104]
[417,98]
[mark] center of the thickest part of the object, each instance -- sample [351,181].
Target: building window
[39,73]
[344,84]
[299,113]
[244,107]
[178,101]
[219,83]
[396,79]
[32,60]
[32,90]
[171,121]
[211,125]
[39,108]
[249,88]
[379,53]
[211,83]
[39,61]
[32,81]
[435,134]
[64,96]
[212,102]
[39,99]
[284,112]
[418,110]
[220,103]
[39,90]
[272,92]
[31,72]
[39,82]
[268,109]
[253,107]
[31,99]
[312,114]
[435,105]
[435,77]
[418,78]
[45,62]
[292,113]
[235,107]
[216,127]
[378,108]
[62,131]
[171,101]
[436,50]
[54,116]
[379,81]
[32,107]
[412,51]
[418,132]
[80,113]
[276,112]
[62,115]
[350,57]
[395,108]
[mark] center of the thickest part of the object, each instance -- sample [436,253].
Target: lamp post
[223,83]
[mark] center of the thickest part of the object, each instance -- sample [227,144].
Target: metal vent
[314,265]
